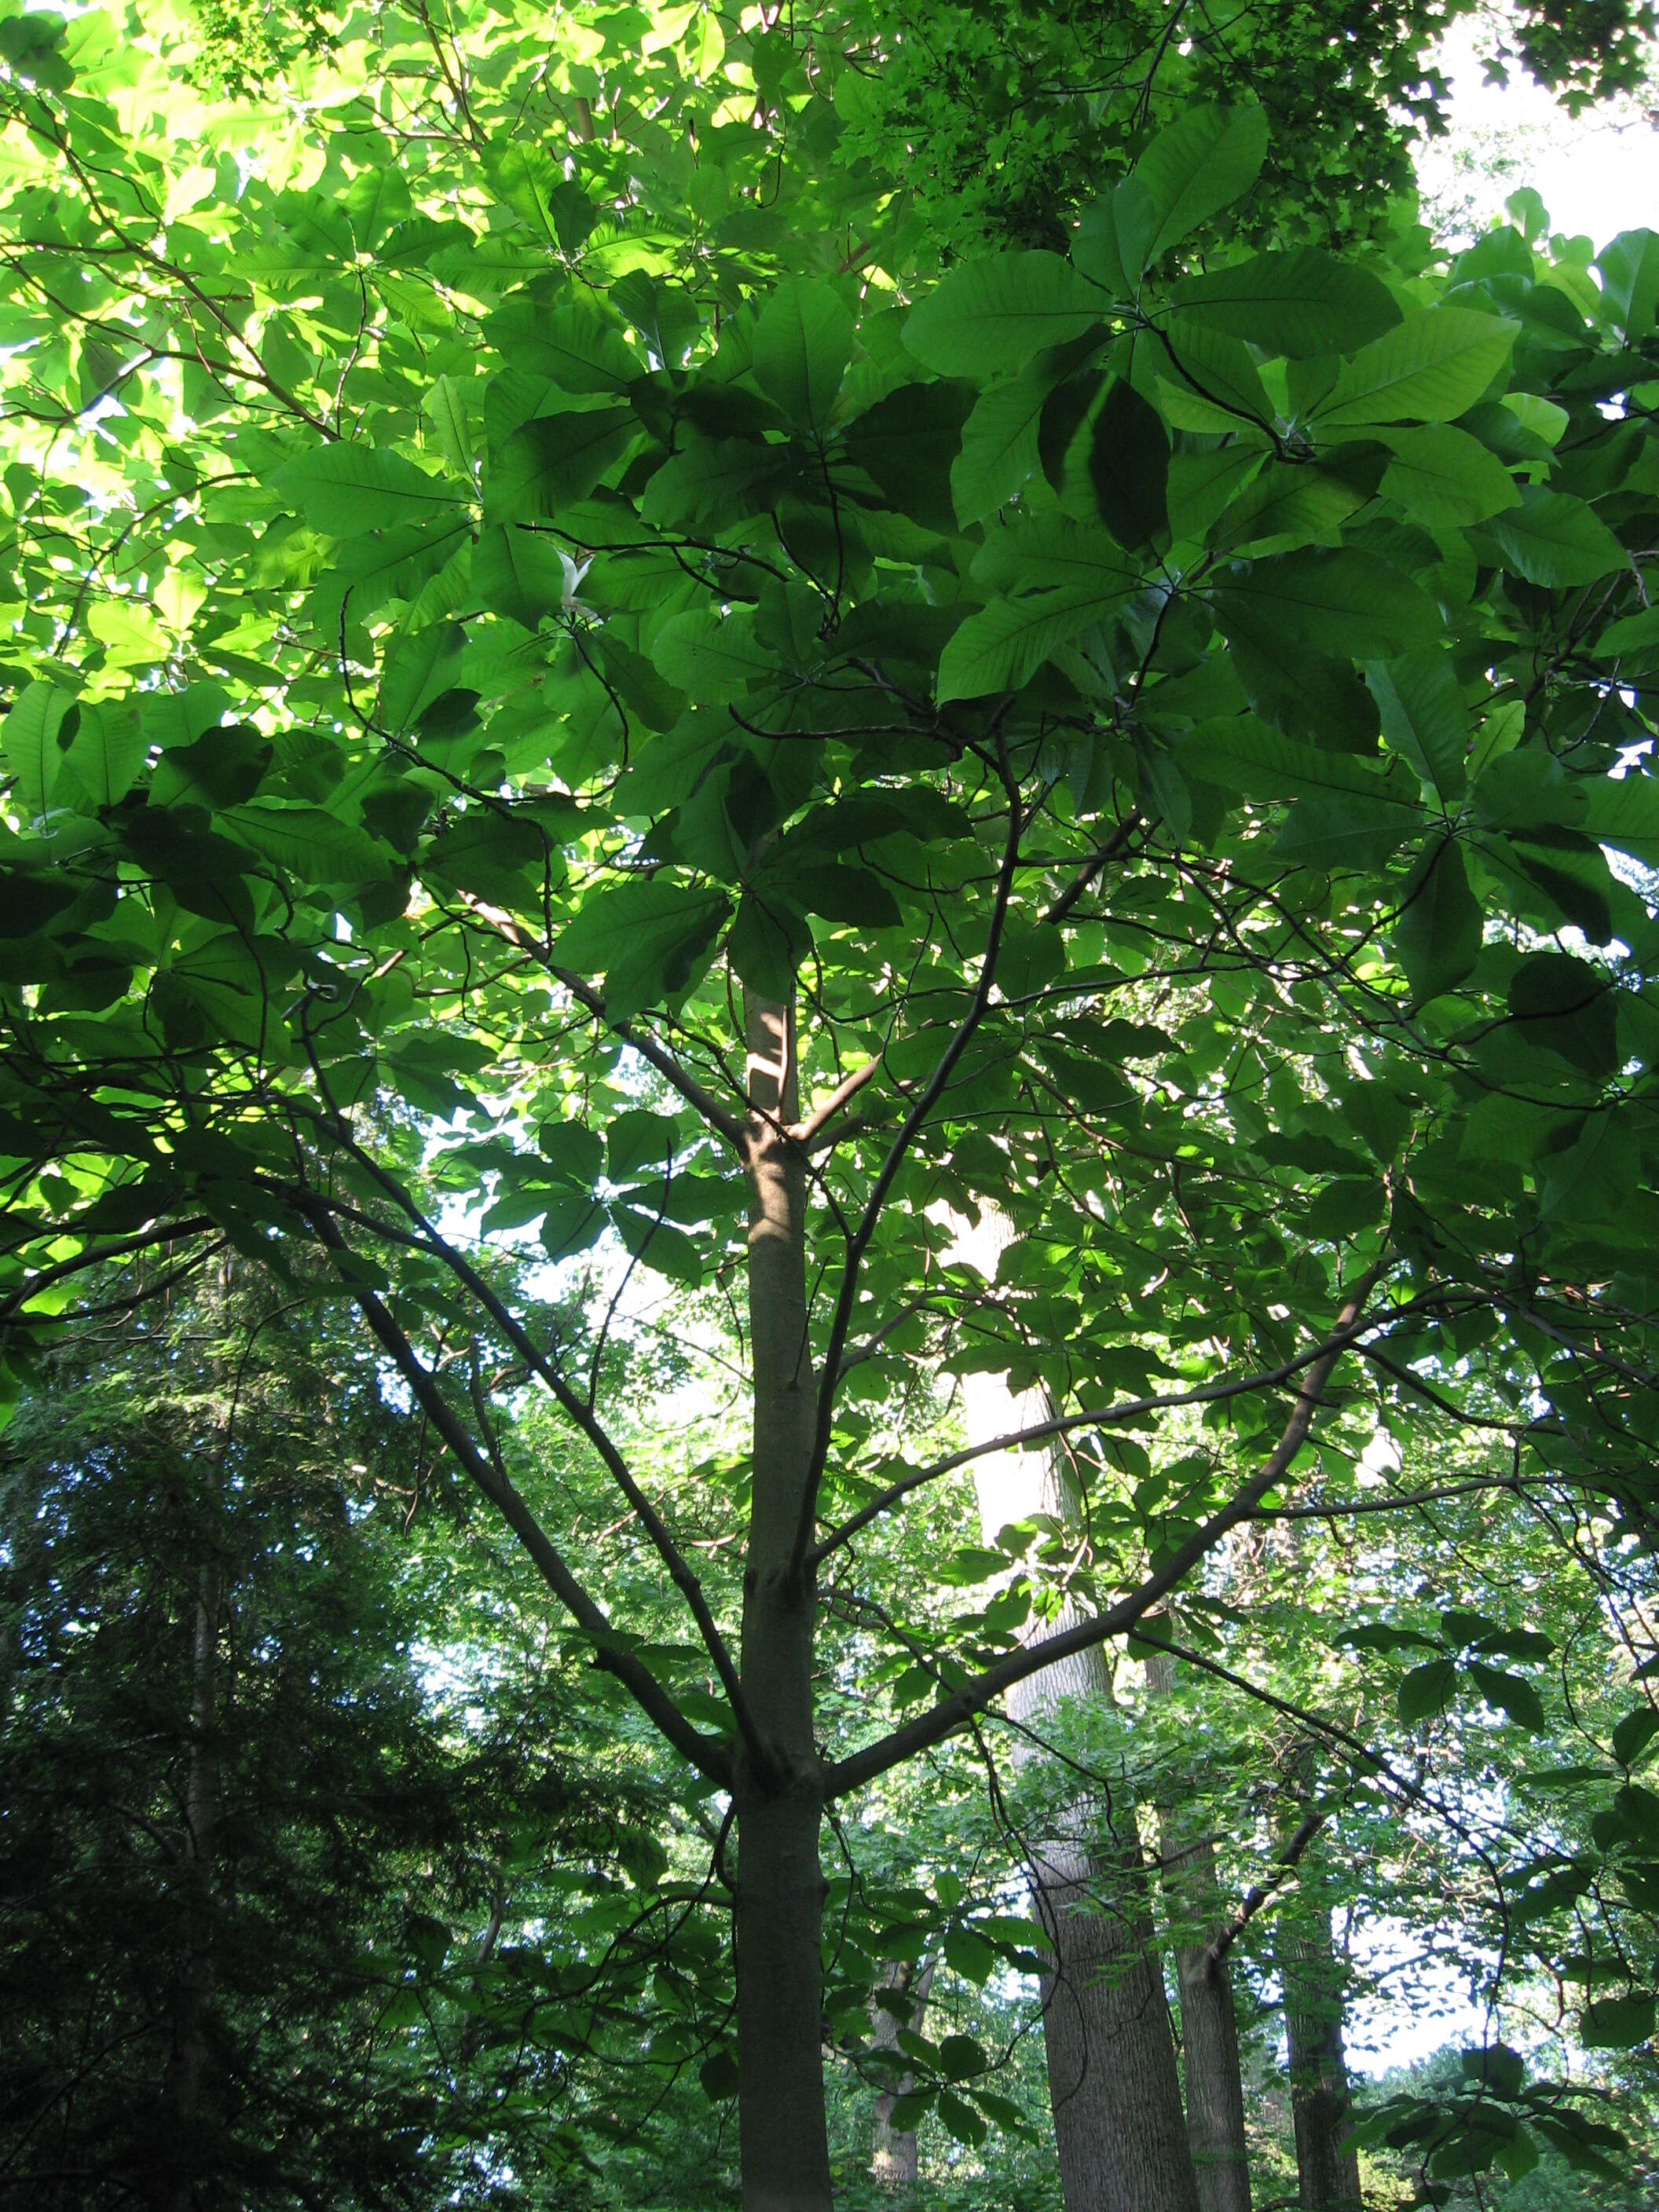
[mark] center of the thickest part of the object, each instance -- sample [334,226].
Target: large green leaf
[1618,2023]
[1054,552]
[1437,938]
[1287,506]
[1128,466]
[30,739]
[1512,1694]
[1424,716]
[1629,282]
[1196,167]
[1443,477]
[308,842]
[1554,540]
[103,756]
[802,344]
[713,658]
[1346,604]
[1002,646]
[581,349]
[1207,380]
[648,940]
[908,442]
[1424,1691]
[344,489]
[1000,444]
[555,460]
[1244,754]
[990,317]
[1302,301]
[1428,368]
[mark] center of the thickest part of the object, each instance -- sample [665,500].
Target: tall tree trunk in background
[187,2051]
[1209,2027]
[1313,1979]
[1119,2131]
[779,1798]
[186,2062]
[893,2150]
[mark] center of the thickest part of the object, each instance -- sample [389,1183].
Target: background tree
[291,1893]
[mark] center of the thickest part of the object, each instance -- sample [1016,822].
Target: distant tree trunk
[1112,2078]
[186,2062]
[782,2127]
[1209,2027]
[893,2162]
[1119,2132]
[1313,1979]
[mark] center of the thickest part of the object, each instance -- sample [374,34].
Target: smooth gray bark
[1119,2130]
[785,2149]
[1209,2027]
[893,2161]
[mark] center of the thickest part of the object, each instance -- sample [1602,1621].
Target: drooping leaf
[1437,938]
[33,738]
[1512,1694]
[802,344]
[1424,1691]
[1199,166]
[1424,716]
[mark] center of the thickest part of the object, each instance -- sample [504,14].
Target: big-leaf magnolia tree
[740,777]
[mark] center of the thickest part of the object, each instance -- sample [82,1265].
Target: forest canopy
[826,899]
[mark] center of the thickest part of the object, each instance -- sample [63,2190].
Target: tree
[729,769]
[236,1836]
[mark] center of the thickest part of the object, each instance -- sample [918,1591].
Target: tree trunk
[778,1793]
[1119,2131]
[1327,2162]
[186,2062]
[1209,2027]
[1112,2079]
[893,2162]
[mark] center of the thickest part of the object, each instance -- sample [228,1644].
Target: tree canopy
[599,745]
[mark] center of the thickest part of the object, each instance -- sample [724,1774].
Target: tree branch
[1261,1893]
[704,1752]
[582,1414]
[808,1131]
[1091,869]
[721,1119]
[965,1705]
[858,1243]
[120,1247]
[1128,1409]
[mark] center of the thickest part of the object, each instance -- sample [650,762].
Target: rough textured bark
[893,2163]
[1118,2130]
[1209,2027]
[779,1798]
[1327,2162]
[186,2060]
[1112,2080]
